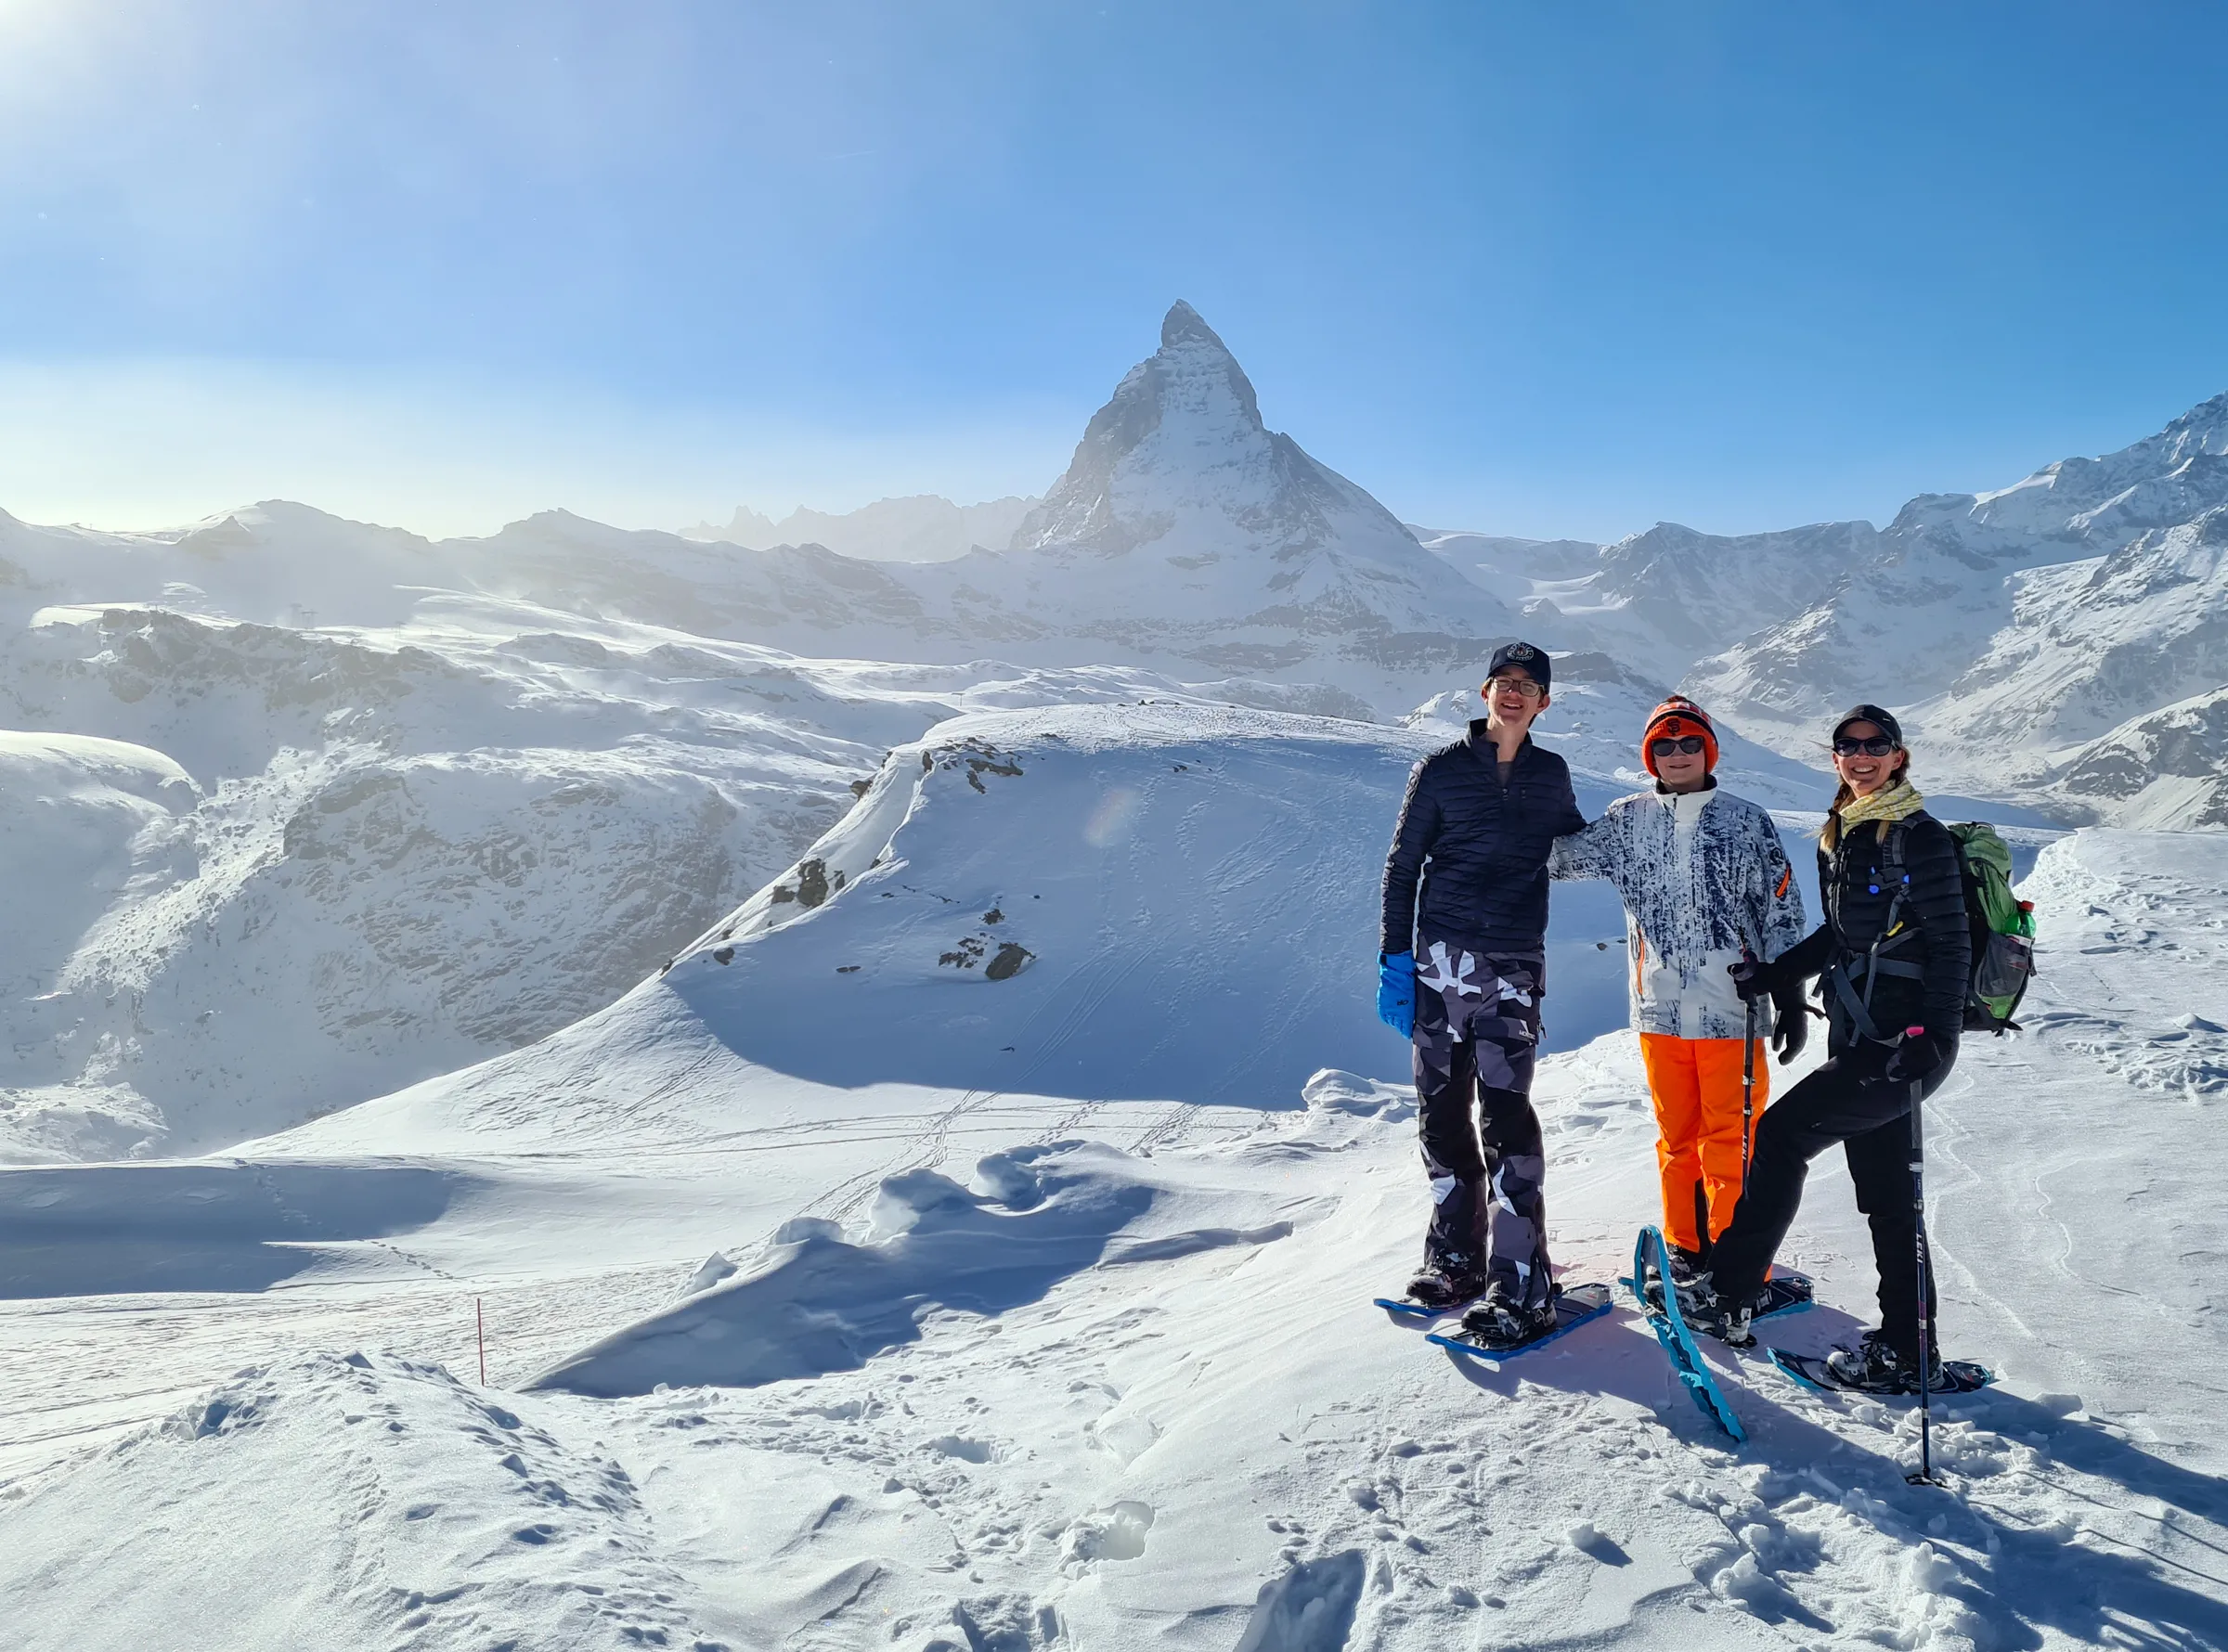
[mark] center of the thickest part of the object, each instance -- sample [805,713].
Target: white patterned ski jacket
[1702,874]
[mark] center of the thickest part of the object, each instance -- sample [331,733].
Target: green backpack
[2003,926]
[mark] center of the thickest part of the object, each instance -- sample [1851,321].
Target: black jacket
[1480,849]
[1859,883]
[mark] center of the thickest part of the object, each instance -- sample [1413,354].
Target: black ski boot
[1498,1322]
[1686,1266]
[1713,1315]
[1447,1282]
[1874,1366]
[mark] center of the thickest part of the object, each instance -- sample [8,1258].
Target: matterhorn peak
[1183,325]
[1196,508]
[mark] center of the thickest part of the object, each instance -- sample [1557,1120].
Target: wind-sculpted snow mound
[464,1525]
[819,1300]
[1149,902]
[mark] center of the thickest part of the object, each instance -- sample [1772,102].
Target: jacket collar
[1481,741]
[1709,783]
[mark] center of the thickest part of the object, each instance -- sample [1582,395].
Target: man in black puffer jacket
[1896,956]
[1462,978]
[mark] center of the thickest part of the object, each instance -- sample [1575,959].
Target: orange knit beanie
[1673,717]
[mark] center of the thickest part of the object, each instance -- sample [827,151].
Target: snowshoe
[1855,1371]
[1650,1267]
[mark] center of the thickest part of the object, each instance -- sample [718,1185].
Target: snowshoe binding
[1498,1323]
[1785,1289]
[1486,1335]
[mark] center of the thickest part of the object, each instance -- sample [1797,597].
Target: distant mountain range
[919,528]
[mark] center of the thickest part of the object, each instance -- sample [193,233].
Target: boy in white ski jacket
[1704,880]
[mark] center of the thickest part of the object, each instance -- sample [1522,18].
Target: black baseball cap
[1533,659]
[1878,716]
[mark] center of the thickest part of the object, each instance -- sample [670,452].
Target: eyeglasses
[1878,746]
[1691,744]
[1522,687]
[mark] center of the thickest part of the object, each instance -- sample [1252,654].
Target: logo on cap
[1522,650]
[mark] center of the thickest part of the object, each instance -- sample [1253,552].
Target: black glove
[1753,979]
[1789,1020]
[1916,1058]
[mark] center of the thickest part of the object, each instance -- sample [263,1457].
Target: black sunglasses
[1691,744]
[1878,746]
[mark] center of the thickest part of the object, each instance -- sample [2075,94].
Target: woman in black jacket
[1895,956]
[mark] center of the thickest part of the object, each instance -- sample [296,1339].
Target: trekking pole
[1918,1199]
[1748,1079]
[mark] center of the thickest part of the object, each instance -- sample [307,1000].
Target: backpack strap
[1857,1005]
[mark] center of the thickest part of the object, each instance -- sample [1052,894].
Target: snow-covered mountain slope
[2092,643]
[2013,627]
[2166,768]
[920,528]
[331,862]
[1967,604]
[1069,1344]
[72,808]
[1661,599]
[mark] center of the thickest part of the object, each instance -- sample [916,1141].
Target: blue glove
[1396,992]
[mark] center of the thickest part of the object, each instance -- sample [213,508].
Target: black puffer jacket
[1480,849]
[1912,874]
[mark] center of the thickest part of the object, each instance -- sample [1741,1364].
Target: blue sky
[1531,268]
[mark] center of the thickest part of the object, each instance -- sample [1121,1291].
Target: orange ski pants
[1696,1086]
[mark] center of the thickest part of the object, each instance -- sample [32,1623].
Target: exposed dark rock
[1012,958]
[812,882]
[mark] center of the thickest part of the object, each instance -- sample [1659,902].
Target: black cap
[1533,659]
[1878,716]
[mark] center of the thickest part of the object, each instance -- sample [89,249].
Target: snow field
[997,1355]
[440,1518]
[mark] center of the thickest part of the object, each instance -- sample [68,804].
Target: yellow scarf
[1889,803]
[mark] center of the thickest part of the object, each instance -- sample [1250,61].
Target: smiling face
[1866,772]
[1512,699]
[1679,771]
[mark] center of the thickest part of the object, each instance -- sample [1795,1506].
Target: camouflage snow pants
[1477,1034]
